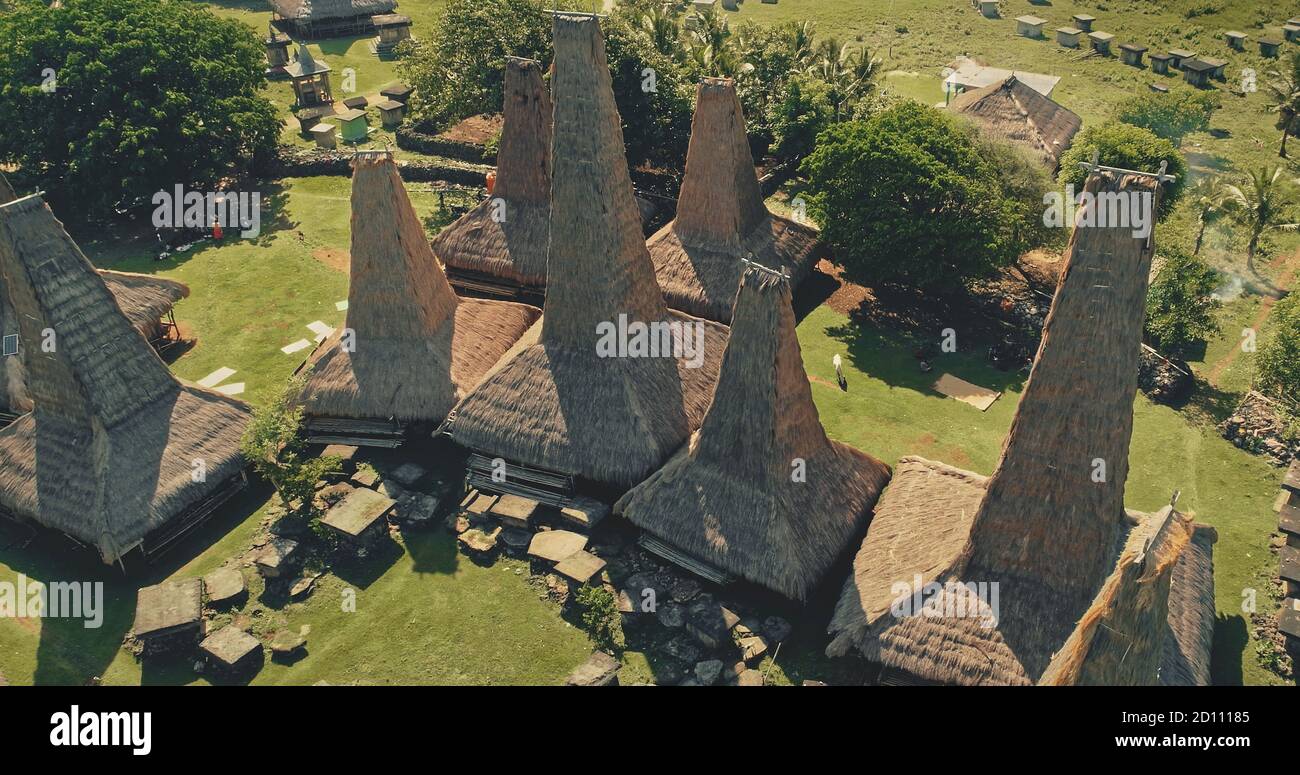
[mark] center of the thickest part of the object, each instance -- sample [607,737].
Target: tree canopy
[1128,147]
[107,101]
[909,196]
[1181,310]
[1278,359]
[1171,115]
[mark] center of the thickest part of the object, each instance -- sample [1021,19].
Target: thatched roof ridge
[1040,527]
[558,404]
[721,218]
[508,239]
[409,349]
[320,10]
[1120,640]
[733,497]
[111,448]
[1022,115]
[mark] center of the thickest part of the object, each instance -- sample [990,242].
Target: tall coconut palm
[1262,202]
[660,23]
[1283,88]
[848,71]
[1209,196]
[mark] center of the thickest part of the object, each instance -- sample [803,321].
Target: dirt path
[1284,281]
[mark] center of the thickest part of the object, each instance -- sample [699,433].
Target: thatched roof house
[733,497]
[409,348]
[144,299]
[1022,115]
[557,404]
[1049,525]
[505,237]
[312,19]
[116,453]
[721,218]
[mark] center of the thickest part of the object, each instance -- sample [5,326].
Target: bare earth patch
[338,260]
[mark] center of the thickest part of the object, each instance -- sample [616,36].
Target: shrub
[1128,147]
[1181,311]
[600,617]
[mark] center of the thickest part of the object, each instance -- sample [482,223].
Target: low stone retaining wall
[306,162]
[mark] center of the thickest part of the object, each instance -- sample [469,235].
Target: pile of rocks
[1259,425]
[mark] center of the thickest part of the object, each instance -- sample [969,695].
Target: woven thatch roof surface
[144,298]
[109,452]
[730,497]
[416,347]
[319,10]
[1022,115]
[13,392]
[1191,613]
[721,217]
[1041,526]
[557,405]
[1120,640]
[512,245]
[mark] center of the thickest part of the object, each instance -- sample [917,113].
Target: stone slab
[556,545]
[229,646]
[358,512]
[224,585]
[580,566]
[169,606]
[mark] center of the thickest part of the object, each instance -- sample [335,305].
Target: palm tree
[1260,203]
[849,72]
[660,23]
[1209,196]
[709,47]
[1284,98]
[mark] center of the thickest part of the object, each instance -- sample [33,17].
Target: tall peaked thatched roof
[1049,524]
[721,218]
[1022,115]
[409,348]
[558,404]
[506,236]
[113,445]
[143,298]
[760,491]
[321,10]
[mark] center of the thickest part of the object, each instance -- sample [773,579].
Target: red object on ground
[216,231]
[491,181]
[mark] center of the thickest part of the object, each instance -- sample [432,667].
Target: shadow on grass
[362,572]
[432,551]
[1230,639]
[71,654]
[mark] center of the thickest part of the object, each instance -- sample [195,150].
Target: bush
[1128,147]
[272,444]
[803,112]
[1172,115]
[1278,359]
[906,196]
[600,616]
[1181,311]
[147,94]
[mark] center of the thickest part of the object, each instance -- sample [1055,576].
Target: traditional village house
[760,492]
[721,219]
[318,19]
[310,80]
[1019,114]
[409,348]
[565,405]
[502,243]
[116,452]
[1048,529]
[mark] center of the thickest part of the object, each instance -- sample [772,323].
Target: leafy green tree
[1128,147]
[109,101]
[1181,308]
[273,445]
[458,67]
[656,115]
[906,196]
[1278,361]
[803,112]
[1264,201]
[1171,115]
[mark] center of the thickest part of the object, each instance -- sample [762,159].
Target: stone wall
[293,161]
